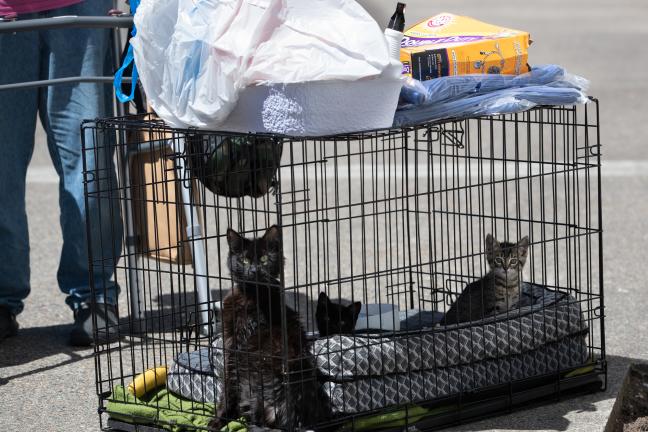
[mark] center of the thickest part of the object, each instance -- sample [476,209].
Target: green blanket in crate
[161,408]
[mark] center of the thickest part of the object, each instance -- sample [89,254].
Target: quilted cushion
[192,376]
[551,317]
[367,394]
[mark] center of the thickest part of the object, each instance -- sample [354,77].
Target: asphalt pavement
[47,386]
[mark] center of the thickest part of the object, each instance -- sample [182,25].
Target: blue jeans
[37,55]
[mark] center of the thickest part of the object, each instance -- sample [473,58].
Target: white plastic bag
[320,40]
[196,57]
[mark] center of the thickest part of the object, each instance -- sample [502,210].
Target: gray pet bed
[544,333]
[369,393]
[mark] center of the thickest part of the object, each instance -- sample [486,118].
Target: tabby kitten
[496,292]
[252,342]
[333,318]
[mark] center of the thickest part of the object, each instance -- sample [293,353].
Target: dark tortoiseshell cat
[333,318]
[253,344]
[496,292]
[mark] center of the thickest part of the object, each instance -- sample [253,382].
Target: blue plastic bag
[465,96]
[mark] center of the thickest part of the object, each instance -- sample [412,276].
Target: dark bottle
[394,31]
[397,21]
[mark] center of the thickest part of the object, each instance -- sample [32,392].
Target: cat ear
[357,306]
[492,248]
[523,246]
[234,240]
[272,237]
[323,298]
[491,244]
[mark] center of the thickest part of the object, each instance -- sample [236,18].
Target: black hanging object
[397,21]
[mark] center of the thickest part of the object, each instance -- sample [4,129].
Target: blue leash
[128,60]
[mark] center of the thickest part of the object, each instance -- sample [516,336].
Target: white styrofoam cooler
[316,108]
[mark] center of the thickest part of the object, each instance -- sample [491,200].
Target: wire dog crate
[396,218]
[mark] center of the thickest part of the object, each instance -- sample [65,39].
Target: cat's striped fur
[499,290]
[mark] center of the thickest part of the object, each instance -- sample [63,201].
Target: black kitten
[253,344]
[333,318]
[499,290]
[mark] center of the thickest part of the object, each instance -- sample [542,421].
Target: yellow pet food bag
[448,44]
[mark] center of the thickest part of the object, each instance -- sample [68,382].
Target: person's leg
[83,52]
[19,60]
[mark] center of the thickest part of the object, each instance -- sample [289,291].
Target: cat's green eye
[246,261]
[514,262]
[499,261]
[264,259]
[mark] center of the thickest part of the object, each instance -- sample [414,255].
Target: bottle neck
[394,39]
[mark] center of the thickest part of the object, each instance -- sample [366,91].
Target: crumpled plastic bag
[195,57]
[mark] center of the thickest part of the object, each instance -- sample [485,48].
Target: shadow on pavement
[35,343]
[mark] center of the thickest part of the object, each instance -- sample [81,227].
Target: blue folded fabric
[465,96]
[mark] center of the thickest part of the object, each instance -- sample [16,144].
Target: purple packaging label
[411,41]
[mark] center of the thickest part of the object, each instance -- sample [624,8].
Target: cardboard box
[448,44]
[158,218]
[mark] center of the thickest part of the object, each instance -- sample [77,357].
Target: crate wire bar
[394,217]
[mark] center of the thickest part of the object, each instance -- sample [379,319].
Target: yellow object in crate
[448,44]
[148,380]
